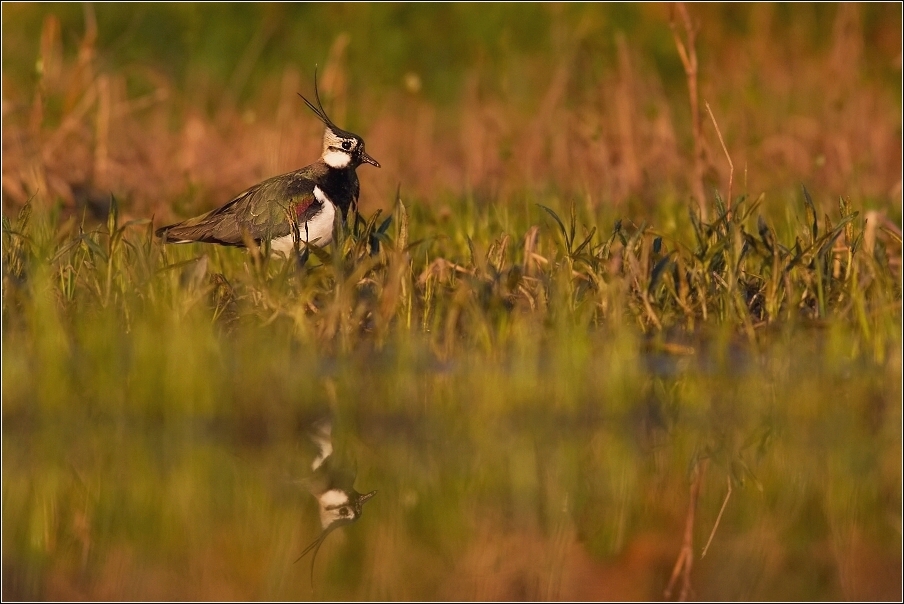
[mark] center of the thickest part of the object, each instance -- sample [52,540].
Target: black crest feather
[318,108]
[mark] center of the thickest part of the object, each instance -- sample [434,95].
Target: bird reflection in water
[332,484]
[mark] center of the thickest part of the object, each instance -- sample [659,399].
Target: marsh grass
[562,365]
[532,353]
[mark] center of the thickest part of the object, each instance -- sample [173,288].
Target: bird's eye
[346,145]
[343,511]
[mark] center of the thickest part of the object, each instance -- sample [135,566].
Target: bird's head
[339,507]
[341,148]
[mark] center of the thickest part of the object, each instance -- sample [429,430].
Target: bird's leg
[354,209]
[302,256]
[301,253]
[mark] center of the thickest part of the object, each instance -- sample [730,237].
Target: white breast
[333,497]
[318,230]
[337,159]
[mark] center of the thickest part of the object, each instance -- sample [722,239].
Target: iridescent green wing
[266,211]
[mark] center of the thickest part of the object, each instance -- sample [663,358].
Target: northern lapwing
[332,484]
[290,210]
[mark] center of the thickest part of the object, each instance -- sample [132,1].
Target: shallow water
[557,474]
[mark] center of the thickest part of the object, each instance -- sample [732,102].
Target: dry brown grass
[790,114]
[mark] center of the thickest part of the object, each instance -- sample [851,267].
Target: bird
[332,484]
[289,211]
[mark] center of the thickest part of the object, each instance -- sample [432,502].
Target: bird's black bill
[363,498]
[369,160]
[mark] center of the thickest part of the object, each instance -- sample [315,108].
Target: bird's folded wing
[263,212]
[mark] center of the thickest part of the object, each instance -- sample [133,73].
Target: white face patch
[337,159]
[333,497]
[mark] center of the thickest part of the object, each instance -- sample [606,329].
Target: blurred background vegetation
[188,103]
[537,414]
